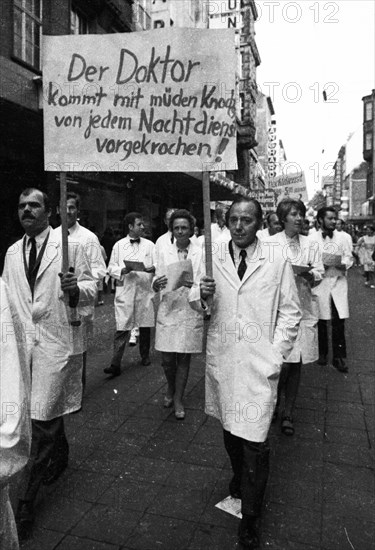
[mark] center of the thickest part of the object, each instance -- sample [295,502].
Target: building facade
[241,16]
[369,152]
[106,196]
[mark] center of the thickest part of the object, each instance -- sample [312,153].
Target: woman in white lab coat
[179,327]
[298,250]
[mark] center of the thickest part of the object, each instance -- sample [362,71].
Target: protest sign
[291,186]
[161,100]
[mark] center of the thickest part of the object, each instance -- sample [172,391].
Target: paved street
[140,480]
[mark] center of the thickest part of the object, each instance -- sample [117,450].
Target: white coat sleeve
[85,279]
[15,427]
[315,261]
[114,267]
[347,257]
[195,300]
[288,314]
[95,257]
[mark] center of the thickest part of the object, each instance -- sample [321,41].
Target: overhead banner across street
[159,100]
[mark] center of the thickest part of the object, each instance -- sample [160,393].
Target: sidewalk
[140,480]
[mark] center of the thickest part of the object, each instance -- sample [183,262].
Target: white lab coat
[334,284]
[179,327]
[44,327]
[300,252]
[15,426]
[254,323]
[133,299]
[93,251]
[164,241]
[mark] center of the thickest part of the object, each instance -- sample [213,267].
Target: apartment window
[159,24]
[27,30]
[242,106]
[368,111]
[78,23]
[142,16]
[368,141]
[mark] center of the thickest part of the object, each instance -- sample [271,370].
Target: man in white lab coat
[254,322]
[36,285]
[134,296]
[15,426]
[91,246]
[273,226]
[165,240]
[332,293]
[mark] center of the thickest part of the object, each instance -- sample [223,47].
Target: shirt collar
[39,239]
[73,229]
[249,250]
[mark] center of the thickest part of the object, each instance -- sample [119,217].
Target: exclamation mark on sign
[224,142]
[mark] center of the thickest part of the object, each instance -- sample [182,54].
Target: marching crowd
[267,307]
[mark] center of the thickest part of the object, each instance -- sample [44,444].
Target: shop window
[27,30]
[78,23]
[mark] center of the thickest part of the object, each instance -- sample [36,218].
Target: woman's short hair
[185,214]
[286,205]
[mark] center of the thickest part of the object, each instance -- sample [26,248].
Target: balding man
[254,322]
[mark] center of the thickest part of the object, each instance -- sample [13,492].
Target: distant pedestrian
[179,328]
[366,247]
[133,299]
[219,229]
[273,226]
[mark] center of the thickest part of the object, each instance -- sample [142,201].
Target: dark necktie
[326,234]
[32,256]
[132,241]
[242,267]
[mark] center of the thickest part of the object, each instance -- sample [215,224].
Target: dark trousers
[48,444]
[119,343]
[250,465]
[338,335]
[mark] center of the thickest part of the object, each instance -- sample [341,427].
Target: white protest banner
[291,186]
[161,100]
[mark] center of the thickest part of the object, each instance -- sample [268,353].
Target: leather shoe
[179,413]
[112,370]
[234,488]
[146,361]
[248,537]
[167,402]
[339,364]
[322,360]
[24,519]
[54,471]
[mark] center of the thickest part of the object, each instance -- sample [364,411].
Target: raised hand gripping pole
[73,317]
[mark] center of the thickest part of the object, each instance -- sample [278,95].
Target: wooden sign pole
[207,222]
[74,318]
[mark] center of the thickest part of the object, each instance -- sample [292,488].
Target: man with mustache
[45,335]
